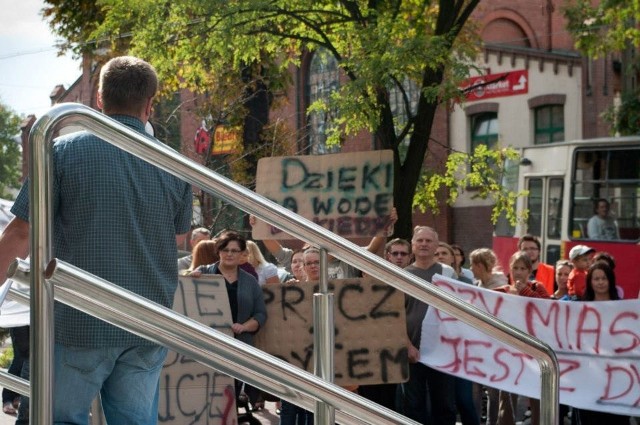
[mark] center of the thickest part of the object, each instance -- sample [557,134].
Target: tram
[565,182]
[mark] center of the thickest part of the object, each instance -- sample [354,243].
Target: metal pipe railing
[274,214]
[100,298]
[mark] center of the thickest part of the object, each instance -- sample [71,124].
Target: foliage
[6,357]
[625,119]
[210,47]
[10,153]
[604,26]
[483,173]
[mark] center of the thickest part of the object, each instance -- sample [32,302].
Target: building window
[484,130]
[549,124]
[322,81]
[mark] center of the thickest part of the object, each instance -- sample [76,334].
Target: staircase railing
[225,354]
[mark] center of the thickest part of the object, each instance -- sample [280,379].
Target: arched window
[322,81]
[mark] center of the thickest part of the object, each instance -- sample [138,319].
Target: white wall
[515,119]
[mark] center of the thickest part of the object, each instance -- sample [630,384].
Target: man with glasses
[398,252]
[543,273]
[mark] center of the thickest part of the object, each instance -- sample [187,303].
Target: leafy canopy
[10,154]
[604,26]
[381,48]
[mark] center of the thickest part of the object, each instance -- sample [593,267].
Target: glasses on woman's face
[230,251]
[398,253]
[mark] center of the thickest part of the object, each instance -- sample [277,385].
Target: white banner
[597,345]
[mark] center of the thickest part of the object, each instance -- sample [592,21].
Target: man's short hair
[200,231]
[529,238]
[126,84]
[596,204]
[397,241]
[420,228]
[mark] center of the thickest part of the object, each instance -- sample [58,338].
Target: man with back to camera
[602,226]
[116,216]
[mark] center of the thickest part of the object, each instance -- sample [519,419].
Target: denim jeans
[127,379]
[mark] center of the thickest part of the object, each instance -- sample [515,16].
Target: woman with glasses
[248,311]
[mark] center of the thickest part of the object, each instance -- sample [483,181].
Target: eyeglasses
[231,251]
[312,263]
[398,253]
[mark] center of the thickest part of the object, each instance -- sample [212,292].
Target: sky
[29,65]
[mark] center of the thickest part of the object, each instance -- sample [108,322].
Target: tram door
[546,214]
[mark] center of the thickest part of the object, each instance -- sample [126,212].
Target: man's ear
[148,107]
[99,101]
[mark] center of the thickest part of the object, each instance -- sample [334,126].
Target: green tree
[611,26]
[381,47]
[10,154]
[604,26]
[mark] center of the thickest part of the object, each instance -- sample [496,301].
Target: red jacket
[546,275]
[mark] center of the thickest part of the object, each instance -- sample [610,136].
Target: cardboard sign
[371,335]
[350,194]
[191,393]
[596,343]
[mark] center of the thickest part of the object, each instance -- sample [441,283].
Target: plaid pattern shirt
[115,216]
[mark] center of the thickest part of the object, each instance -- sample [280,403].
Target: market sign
[510,83]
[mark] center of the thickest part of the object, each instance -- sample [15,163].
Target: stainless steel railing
[42,295]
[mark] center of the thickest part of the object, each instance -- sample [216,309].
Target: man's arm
[14,243]
[180,239]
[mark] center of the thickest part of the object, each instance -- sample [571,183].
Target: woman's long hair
[204,253]
[589,294]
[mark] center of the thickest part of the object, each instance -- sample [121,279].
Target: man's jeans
[126,378]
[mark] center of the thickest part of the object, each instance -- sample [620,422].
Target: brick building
[557,95]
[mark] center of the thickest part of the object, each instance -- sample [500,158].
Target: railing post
[42,299]
[323,339]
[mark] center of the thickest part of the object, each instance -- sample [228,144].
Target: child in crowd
[579,256]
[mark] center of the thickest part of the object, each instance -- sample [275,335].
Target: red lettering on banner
[468,359]
[454,366]
[583,328]
[497,357]
[625,331]
[566,367]
[472,296]
[551,318]
[632,377]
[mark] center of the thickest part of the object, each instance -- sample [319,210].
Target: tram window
[534,222]
[613,175]
[554,208]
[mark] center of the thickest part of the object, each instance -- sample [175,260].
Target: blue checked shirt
[115,216]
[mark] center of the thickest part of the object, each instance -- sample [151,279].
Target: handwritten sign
[370,340]
[191,393]
[350,194]
[595,342]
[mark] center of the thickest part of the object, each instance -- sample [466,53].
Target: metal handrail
[111,303]
[167,159]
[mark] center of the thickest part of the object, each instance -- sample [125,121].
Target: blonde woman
[267,272]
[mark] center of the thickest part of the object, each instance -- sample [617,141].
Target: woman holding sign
[601,286]
[248,311]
